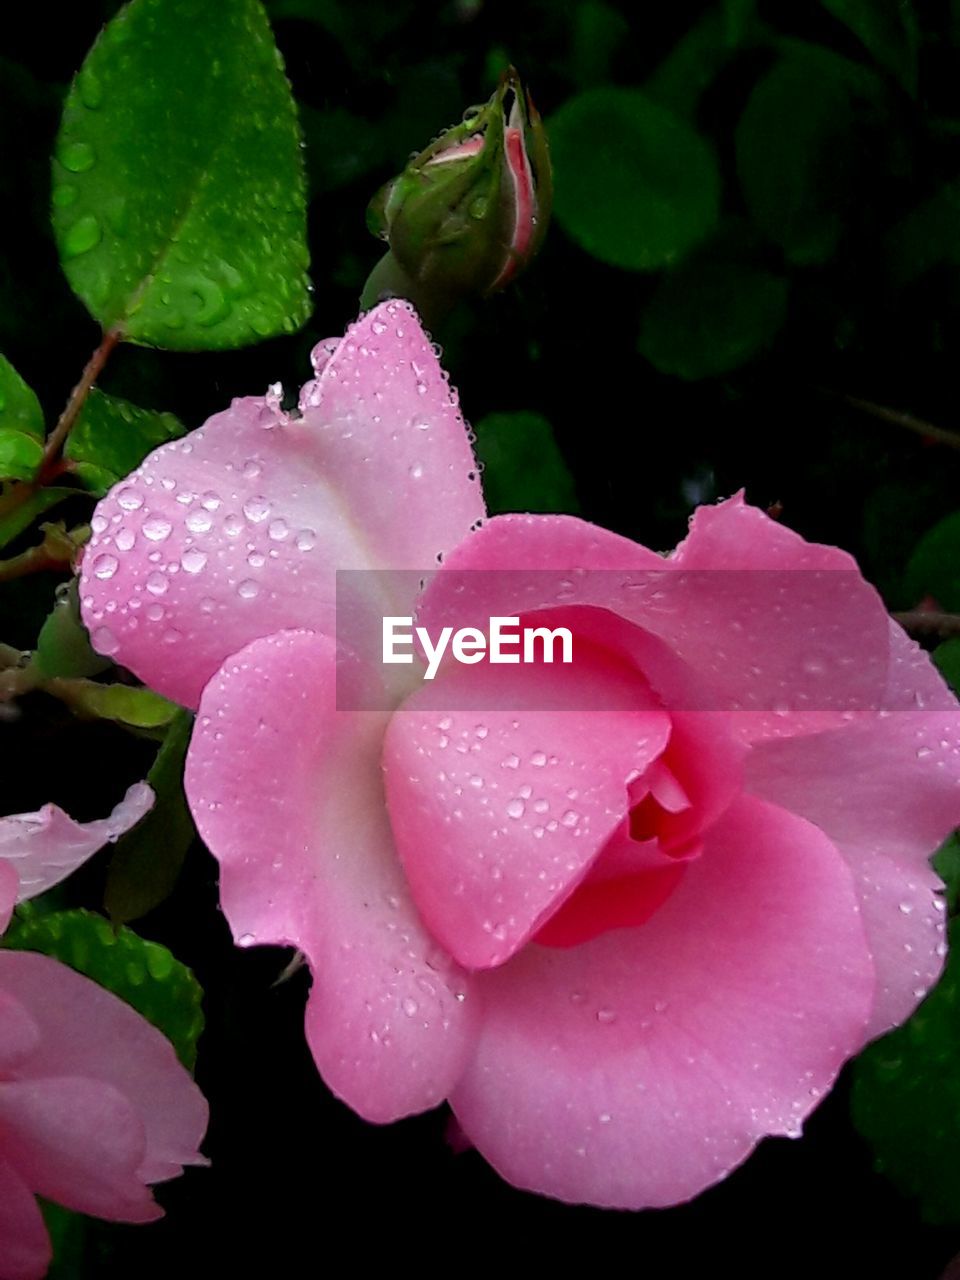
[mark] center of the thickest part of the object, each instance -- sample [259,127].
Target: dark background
[297,1180]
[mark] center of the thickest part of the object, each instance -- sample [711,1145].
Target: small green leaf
[21,426]
[707,318]
[63,645]
[142,973]
[888,31]
[927,237]
[906,1098]
[147,860]
[635,185]
[125,704]
[112,436]
[799,147]
[934,568]
[15,517]
[178,188]
[523,468]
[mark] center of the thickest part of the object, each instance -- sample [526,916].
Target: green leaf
[19,516]
[21,426]
[707,318]
[147,860]
[597,33]
[946,657]
[123,703]
[635,185]
[934,567]
[142,973]
[523,468]
[696,60]
[63,645]
[906,1098]
[799,148]
[178,188]
[888,31]
[927,237]
[112,436]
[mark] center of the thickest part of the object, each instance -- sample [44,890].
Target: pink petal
[288,794]
[9,887]
[808,640]
[641,1067]
[44,847]
[25,1252]
[19,1034]
[238,530]
[497,814]
[887,793]
[78,1142]
[86,1031]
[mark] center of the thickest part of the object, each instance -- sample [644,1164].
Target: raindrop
[248,589]
[157,529]
[129,499]
[193,560]
[105,566]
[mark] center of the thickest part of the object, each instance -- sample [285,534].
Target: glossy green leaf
[147,860]
[946,863]
[63,645]
[178,187]
[16,517]
[707,318]
[799,150]
[142,973]
[112,436]
[21,426]
[934,568]
[906,1098]
[523,468]
[635,185]
[888,30]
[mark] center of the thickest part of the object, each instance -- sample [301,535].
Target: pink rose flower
[94,1106]
[627,916]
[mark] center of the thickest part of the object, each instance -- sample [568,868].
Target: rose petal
[643,1066]
[46,846]
[86,1031]
[498,813]
[80,1143]
[795,640]
[288,794]
[25,1252]
[9,887]
[239,529]
[887,793]
[19,1034]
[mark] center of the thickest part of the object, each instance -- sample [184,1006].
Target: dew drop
[157,583]
[104,641]
[193,560]
[248,589]
[105,566]
[256,509]
[157,529]
[129,499]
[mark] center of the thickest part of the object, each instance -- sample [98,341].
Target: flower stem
[50,467]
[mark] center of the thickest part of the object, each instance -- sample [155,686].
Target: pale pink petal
[25,1252]
[86,1031]
[44,847]
[287,792]
[499,812]
[78,1142]
[9,888]
[887,793]
[641,1067]
[796,640]
[239,529]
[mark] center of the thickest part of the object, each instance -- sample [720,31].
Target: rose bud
[470,211]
